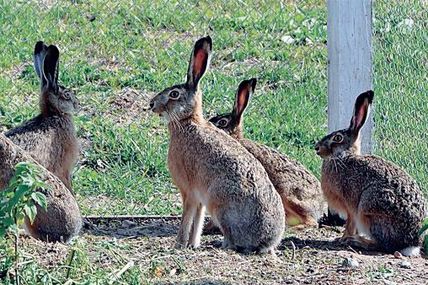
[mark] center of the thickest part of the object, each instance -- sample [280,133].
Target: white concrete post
[349,43]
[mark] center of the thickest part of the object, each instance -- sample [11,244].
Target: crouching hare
[299,189]
[213,170]
[384,206]
[51,140]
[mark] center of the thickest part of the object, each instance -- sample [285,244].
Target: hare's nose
[317,148]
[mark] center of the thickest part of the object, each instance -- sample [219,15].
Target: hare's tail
[411,251]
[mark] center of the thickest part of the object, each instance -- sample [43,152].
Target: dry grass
[147,246]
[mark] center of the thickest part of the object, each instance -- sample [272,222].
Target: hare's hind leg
[392,232]
[361,242]
[297,214]
[350,228]
[198,222]
[190,206]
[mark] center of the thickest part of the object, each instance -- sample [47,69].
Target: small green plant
[17,201]
[21,197]
[422,231]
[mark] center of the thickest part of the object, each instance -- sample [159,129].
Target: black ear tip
[204,41]
[253,82]
[52,50]
[40,44]
[39,47]
[369,95]
[209,40]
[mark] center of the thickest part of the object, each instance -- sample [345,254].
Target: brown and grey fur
[299,189]
[384,206]
[213,170]
[50,137]
[62,220]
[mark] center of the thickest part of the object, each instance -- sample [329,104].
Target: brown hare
[62,220]
[213,170]
[299,189]
[50,137]
[51,140]
[384,206]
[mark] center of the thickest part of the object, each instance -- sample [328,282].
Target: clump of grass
[424,235]
[18,200]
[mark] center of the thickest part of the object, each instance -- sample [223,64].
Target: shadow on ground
[137,227]
[203,281]
[131,226]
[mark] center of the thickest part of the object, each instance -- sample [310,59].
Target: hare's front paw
[180,245]
[194,244]
[342,240]
[360,242]
[226,243]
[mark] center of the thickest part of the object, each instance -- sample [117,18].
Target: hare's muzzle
[157,106]
[321,150]
[318,148]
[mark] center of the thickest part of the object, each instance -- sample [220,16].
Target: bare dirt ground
[305,256]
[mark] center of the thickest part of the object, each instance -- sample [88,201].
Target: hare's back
[210,154]
[47,139]
[42,126]
[375,169]
[33,134]
[230,153]
[385,179]
[285,173]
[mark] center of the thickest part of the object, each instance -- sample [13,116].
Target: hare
[50,137]
[61,221]
[214,171]
[299,189]
[384,206]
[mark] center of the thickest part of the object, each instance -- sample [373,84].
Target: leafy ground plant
[17,202]
[425,235]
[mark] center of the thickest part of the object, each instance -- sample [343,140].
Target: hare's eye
[338,138]
[174,95]
[223,123]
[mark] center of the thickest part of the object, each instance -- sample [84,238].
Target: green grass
[134,45]
[401,85]
[108,47]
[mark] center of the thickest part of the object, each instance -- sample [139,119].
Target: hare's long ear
[245,90]
[361,111]
[199,61]
[39,54]
[50,68]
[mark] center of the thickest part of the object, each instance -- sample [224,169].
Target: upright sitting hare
[213,170]
[300,190]
[383,204]
[50,137]
[51,140]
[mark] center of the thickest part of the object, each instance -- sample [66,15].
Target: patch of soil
[50,254]
[305,256]
[129,106]
[17,71]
